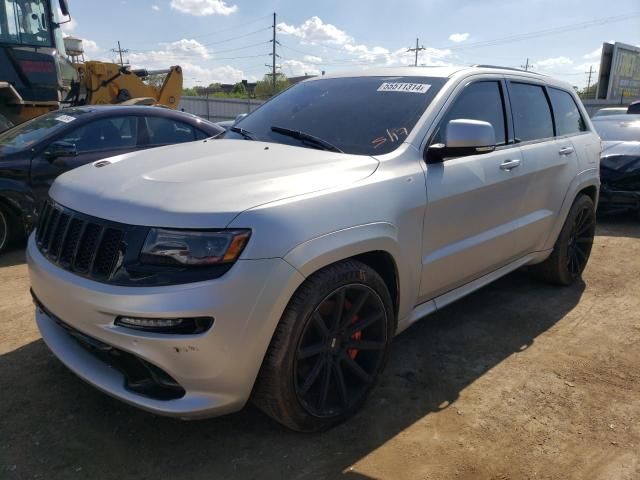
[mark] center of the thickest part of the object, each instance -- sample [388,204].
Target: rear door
[549,161]
[471,224]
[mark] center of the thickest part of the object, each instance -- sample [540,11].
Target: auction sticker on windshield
[404,87]
[65,118]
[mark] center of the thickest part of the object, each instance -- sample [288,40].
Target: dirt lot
[518,381]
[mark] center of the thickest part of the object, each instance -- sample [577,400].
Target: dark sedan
[619,162]
[34,153]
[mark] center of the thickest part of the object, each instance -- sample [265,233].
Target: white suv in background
[278,263]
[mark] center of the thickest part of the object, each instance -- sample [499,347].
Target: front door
[94,141]
[472,219]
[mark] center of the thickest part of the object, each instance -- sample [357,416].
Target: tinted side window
[478,101]
[566,113]
[163,131]
[104,134]
[531,112]
[201,135]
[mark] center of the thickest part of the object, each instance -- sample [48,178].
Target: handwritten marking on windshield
[392,135]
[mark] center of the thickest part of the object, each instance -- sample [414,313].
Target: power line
[120,51]
[539,33]
[526,65]
[230,39]
[274,56]
[417,49]
[590,72]
[235,27]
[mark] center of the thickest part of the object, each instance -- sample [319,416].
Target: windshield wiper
[245,133]
[306,137]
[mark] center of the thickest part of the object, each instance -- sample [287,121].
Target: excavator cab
[30,60]
[39,74]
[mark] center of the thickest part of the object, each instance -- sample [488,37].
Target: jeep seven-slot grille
[76,242]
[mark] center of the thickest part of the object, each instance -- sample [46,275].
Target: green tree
[588,93]
[189,92]
[264,87]
[239,89]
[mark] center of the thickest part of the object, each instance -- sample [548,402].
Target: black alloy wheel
[580,241]
[572,247]
[340,350]
[328,349]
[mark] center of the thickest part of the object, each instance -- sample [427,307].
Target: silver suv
[278,263]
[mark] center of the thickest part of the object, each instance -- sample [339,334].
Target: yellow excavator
[41,71]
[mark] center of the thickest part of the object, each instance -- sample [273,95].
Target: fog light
[184,326]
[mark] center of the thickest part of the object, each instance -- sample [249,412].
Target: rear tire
[573,246]
[330,346]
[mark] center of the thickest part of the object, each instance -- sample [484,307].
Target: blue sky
[228,40]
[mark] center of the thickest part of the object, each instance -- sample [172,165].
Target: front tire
[573,246]
[330,346]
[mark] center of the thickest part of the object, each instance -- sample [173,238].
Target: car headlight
[192,248]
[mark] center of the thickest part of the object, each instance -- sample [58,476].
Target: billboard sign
[619,72]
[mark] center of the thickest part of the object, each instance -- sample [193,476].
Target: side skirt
[428,307]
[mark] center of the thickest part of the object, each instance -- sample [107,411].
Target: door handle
[566,151]
[509,164]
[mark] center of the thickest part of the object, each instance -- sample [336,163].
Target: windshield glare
[29,133]
[358,115]
[621,130]
[25,22]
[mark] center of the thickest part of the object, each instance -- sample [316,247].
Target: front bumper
[618,201]
[216,369]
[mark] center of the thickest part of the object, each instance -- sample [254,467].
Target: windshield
[359,115]
[622,130]
[25,22]
[29,133]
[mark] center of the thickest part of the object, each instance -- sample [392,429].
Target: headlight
[193,248]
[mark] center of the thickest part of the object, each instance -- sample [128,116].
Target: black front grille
[79,243]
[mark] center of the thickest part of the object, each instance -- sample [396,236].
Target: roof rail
[508,68]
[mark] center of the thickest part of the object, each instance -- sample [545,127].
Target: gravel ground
[518,381]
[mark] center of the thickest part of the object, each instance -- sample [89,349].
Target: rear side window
[566,113]
[478,101]
[531,113]
[163,131]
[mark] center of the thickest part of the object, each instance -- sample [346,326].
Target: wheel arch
[588,183]
[20,202]
[373,244]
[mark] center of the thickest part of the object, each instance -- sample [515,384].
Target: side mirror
[60,149]
[463,137]
[240,117]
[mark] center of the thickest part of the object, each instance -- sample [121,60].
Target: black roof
[108,110]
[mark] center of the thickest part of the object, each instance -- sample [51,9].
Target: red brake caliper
[353,352]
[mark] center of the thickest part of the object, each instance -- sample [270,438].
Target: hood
[620,148]
[203,184]
[620,165]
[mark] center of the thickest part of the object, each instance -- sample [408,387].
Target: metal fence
[217,109]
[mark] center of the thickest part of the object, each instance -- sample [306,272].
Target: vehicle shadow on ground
[13,256]
[55,426]
[627,225]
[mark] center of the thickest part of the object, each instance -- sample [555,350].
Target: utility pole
[120,50]
[526,65]
[417,49]
[590,72]
[274,56]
